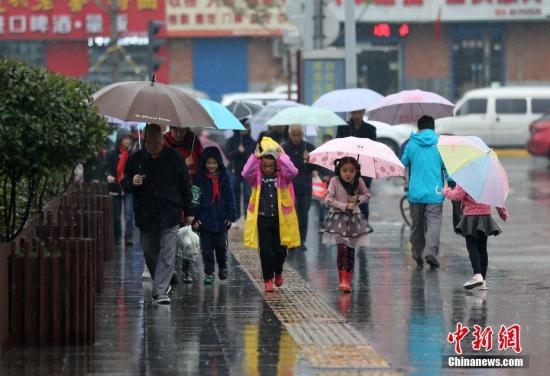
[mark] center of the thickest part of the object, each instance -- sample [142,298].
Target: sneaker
[209,279]
[475,281]
[187,277]
[146,274]
[174,279]
[484,286]
[222,274]
[432,261]
[161,299]
[279,280]
[268,285]
[321,230]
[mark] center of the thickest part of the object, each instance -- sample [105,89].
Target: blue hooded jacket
[213,214]
[427,171]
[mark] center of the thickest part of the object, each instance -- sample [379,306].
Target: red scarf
[121,163]
[215,187]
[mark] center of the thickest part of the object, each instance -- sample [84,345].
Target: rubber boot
[349,278]
[343,285]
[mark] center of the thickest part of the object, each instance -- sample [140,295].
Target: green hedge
[47,127]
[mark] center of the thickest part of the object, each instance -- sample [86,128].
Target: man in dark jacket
[158,178]
[357,127]
[238,149]
[114,170]
[298,150]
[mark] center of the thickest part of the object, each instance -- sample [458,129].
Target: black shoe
[369,229]
[222,274]
[174,279]
[187,277]
[419,261]
[432,261]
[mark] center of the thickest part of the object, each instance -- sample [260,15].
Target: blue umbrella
[223,118]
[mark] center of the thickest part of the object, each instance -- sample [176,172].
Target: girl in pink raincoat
[476,226]
[271,210]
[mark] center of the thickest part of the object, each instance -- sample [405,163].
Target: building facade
[450,46]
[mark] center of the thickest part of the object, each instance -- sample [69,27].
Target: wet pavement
[397,315]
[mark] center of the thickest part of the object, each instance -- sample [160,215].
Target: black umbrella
[243,110]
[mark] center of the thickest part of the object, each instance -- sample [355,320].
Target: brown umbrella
[151,102]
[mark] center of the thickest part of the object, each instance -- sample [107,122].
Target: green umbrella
[306,115]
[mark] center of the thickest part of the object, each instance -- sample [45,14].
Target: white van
[500,116]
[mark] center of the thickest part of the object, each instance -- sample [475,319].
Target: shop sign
[445,10]
[226,17]
[74,19]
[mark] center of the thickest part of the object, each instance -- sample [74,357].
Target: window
[473,106]
[511,106]
[540,106]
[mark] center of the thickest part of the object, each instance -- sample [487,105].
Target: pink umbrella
[410,105]
[376,159]
[206,142]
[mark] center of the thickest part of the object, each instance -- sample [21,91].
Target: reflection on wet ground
[217,330]
[407,313]
[404,312]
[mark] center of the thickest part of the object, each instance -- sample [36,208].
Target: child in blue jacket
[215,213]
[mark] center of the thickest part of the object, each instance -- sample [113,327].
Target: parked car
[539,142]
[392,135]
[500,116]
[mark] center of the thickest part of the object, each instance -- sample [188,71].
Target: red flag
[438,27]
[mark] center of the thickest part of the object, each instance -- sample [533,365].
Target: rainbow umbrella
[476,168]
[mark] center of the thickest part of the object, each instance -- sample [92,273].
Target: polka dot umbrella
[376,159]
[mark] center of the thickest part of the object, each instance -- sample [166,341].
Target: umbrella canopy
[306,115]
[151,102]
[476,168]
[376,159]
[258,122]
[243,110]
[223,118]
[410,105]
[348,100]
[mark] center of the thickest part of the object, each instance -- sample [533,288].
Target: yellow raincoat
[288,220]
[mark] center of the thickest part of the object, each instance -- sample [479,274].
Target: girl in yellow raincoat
[271,209]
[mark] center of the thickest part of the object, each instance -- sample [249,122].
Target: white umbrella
[258,121]
[348,100]
[307,115]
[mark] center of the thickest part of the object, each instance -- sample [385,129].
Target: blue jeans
[118,202]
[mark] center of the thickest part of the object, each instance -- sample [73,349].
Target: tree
[47,126]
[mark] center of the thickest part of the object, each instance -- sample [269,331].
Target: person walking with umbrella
[239,148]
[345,225]
[427,174]
[298,150]
[160,183]
[114,171]
[357,127]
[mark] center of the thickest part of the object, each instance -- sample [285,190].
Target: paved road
[395,321]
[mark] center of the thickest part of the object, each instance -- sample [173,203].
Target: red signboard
[74,19]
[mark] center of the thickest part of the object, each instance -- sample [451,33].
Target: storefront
[221,49]
[450,46]
[72,37]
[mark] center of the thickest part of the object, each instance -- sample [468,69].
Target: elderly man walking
[298,150]
[427,175]
[158,178]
